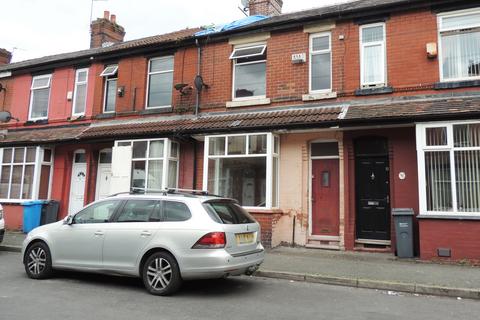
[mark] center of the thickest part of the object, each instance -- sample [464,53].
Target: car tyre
[161,274]
[38,261]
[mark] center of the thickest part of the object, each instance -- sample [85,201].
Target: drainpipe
[199,57]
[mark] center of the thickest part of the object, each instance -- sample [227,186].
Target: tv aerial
[245,5]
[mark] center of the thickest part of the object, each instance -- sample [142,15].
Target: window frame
[235,64]
[441,31]
[167,157]
[150,73]
[49,86]
[422,148]
[107,81]
[111,73]
[319,52]
[269,157]
[75,91]
[37,171]
[383,44]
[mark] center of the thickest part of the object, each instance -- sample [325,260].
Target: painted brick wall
[462,237]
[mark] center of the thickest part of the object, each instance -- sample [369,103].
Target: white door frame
[99,167]
[72,178]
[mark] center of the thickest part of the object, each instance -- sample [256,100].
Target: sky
[36,28]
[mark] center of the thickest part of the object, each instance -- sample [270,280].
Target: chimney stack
[5,56]
[265,7]
[105,31]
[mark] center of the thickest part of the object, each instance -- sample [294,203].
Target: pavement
[70,295]
[354,269]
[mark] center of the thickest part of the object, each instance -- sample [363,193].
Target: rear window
[227,212]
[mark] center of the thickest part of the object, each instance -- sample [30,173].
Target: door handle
[99,233]
[145,234]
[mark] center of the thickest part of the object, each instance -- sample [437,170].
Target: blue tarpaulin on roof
[232,25]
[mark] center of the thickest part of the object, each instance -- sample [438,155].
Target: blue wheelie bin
[32,211]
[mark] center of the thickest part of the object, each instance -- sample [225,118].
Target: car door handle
[99,233]
[145,234]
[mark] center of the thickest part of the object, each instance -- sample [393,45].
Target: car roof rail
[167,191]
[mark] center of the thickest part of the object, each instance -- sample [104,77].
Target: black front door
[373,199]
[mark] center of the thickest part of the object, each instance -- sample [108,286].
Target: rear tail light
[212,240]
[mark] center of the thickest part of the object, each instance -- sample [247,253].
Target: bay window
[249,71]
[373,55]
[39,97]
[449,167]
[154,163]
[243,167]
[459,39]
[25,173]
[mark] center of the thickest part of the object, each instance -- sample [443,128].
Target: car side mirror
[68,220]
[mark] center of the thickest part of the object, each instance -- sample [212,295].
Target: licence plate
[245,238]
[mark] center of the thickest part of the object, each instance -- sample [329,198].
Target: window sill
[319,96]
[373,91]
[107,115]
[456,84]
[36,122]
[258,210]
[448,217]
[247,103]
[157,110]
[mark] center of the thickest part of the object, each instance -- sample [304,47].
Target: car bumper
[207,264]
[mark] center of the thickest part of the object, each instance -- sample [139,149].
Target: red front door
[325,197]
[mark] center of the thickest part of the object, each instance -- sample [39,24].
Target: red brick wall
[13,215]
[267,222]
[462,237]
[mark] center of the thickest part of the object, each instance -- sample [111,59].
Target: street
[86,296]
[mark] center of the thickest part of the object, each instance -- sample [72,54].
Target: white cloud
[35,28]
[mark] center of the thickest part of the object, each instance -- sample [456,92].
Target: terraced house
[319,122]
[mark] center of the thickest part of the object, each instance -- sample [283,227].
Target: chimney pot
[105,31]
[5,56]
[265,7]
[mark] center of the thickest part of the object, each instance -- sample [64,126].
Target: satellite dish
[245,3]
[5,116]
[199,84]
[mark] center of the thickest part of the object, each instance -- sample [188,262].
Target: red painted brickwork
[13,215]
[403,193]
[267,223]
[462,237]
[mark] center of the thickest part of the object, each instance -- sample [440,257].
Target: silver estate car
[163,238]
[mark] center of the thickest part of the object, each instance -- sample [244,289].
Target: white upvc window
[160,82]
[244,167]
[80,92]
[320,63]
[249,71]
[449,168]
[39,97]
[459,45]
[25,173]
[110,88]
[154,163]
[373,55]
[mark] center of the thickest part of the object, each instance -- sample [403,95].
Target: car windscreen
[227,212]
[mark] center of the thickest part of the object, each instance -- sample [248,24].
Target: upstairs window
[459,38]
[320,63]
[160,82]
[249,71]
[110,94]
[373,55]
[39,97]
[80,93]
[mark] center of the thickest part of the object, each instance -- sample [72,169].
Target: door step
[372,246]
[323,244]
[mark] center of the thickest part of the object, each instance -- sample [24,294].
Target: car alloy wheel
[38,264]
[161,275]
